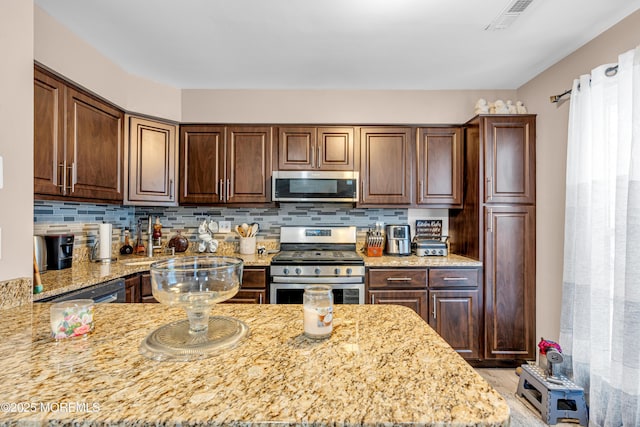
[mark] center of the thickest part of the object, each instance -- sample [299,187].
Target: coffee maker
[59,251]
[398,239]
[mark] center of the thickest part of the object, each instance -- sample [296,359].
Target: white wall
[551,154]
[59,49]
[16,139]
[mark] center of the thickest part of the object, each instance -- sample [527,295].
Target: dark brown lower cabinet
[253,290]
[455,316]
[146,294]
[132,288]
[510,288]
[415,300]
[254,287]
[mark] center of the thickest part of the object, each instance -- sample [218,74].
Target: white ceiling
[335,44]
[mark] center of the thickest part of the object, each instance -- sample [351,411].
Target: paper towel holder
[94,253]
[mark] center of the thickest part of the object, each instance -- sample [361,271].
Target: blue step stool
[554,401]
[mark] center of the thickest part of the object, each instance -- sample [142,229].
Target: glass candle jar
[73,318]
[318,311]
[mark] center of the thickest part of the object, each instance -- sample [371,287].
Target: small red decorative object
[544,345]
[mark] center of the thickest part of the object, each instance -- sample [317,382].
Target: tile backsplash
[82,219]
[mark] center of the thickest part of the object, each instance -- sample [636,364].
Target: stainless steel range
[317,255]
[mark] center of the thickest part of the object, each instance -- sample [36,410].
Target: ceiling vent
[509,14]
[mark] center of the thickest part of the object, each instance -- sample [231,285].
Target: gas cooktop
[317,256]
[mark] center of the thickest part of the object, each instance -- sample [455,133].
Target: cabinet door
[249,151]
[249,296]
[146,294]
[509,152]
[132,288]
[386,167]
[439,155]
[202,164]
[48,138]
[415,300]
[94,148]
[455,316]
[151,163]
[335,148]
[510,282]
[296,148]
[254,277]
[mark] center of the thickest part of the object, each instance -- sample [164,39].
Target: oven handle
[318,280]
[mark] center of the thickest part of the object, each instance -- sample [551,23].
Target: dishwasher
[102,293]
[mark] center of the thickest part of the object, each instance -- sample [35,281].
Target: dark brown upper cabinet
[49,168]
[151,162]
[316,148]
[78,143]
[220,165]
[509,152]
[439,166]
[386,166]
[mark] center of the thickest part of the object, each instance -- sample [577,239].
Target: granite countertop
[382,365]
[83,274]
[424,261]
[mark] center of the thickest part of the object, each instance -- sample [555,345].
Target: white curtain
[600,323]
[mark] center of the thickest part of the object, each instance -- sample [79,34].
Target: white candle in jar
[318,321]
[318,311]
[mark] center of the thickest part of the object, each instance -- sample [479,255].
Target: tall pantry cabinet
[497,226]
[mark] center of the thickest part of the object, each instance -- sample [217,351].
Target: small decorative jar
[73,318]
[318,311]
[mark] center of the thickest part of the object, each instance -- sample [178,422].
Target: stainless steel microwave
[315,186]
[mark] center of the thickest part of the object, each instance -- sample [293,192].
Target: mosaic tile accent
[83,219]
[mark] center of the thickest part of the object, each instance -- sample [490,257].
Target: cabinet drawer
[254,278]
[454,277]
[397,278]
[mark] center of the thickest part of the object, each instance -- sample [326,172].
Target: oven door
[291,293]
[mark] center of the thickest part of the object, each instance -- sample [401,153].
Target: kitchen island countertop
[382,365]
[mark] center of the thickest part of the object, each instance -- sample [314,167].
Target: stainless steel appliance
[107,292]
[317,255]
[314,186]
[429,247]
[40,253]
[59,251]
[398,239]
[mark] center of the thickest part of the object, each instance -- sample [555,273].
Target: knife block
[374,250]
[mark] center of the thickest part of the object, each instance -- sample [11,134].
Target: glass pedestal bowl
[195,284]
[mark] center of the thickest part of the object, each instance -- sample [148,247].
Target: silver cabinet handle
[72,177]
[229,193]
[318,155]
[362,190]
[61,178]
[221,190]
[490,221]
[434,306]
[489,189]
[455,278]
[398,279]
[171,189]
[420,191]
[373,299]
[260,299]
